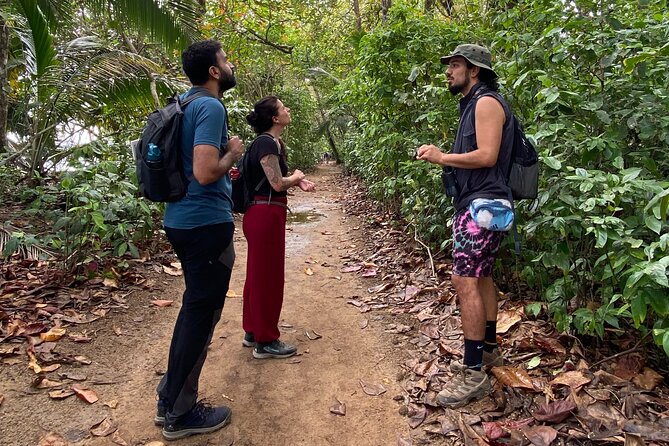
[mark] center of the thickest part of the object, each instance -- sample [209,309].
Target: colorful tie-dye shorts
[474,248]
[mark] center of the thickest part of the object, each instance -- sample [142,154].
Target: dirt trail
[274,402]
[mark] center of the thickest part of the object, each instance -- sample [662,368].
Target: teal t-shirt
[203,123]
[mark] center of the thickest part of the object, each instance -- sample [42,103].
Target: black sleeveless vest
[486,182]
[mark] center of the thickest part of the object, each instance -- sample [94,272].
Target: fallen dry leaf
[53,335]
[109,282]
[628,367]
[430,330]
[339,408]
[410,292]
[117,439]
[46,383]
[50,368]
[84,394]
[351,269]
[540,435]
[111,404]
[363,323]
[634,440]
[162,303]
[648,380]
[172,271]
[104,428]
[416,415]
[513,377]
[555,412]
[404,442]
[372,389]
[60,394]
[308,271]
[369,272]
[493,430]
[573,379]
[231,293]
[82,360]
[78,337]
[508,318]
[52,439]
[550,345]
[2,399]
[313,335]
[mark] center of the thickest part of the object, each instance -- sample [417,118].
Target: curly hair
[198,58]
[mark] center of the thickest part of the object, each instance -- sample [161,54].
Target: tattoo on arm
[270,165]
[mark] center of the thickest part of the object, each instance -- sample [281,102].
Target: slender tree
[358,17]
[4,53]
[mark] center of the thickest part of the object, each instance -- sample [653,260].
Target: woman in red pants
[265,229]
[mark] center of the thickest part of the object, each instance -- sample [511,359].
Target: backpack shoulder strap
[194,96]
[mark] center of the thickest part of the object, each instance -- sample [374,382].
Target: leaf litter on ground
[559,397]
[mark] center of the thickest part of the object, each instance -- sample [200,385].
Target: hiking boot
[465,386]
[275,349]
[249,340]
[490,360]
[200,420]
[161,409]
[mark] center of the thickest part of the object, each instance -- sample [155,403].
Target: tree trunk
[358,17]
[385,6]
[448,6]
[4,103]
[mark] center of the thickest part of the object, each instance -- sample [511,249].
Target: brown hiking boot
[490,360]
[465,386]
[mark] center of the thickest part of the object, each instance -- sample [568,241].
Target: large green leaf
[39,49]
[172,23]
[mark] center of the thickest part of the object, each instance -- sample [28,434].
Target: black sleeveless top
[485,182]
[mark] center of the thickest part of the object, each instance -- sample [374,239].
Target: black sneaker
[275,349]
[249,340]
[200,420]
[161,409]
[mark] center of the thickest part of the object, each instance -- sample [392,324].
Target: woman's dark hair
[486,77]
[198,58]
[260,118]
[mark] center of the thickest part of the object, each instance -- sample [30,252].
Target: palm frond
[173,23]
[38,47]
[57,13]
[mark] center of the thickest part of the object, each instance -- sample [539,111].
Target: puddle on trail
[298,216]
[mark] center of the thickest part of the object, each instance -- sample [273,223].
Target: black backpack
[242,194]
[524,168]
[157,154]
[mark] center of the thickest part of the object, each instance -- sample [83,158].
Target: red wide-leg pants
[265,231]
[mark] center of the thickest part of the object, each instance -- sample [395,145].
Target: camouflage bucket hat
[475,54]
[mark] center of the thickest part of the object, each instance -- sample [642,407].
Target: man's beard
[457,88]
[226,82]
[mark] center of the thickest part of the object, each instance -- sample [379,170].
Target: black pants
[202,252]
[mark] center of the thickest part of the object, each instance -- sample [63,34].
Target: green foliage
[101,214]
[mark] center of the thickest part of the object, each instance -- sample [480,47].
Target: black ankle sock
[490,336]
[473,354]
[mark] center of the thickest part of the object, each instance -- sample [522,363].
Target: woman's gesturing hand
[306,185]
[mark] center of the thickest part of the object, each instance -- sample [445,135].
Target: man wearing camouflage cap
[479,161]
